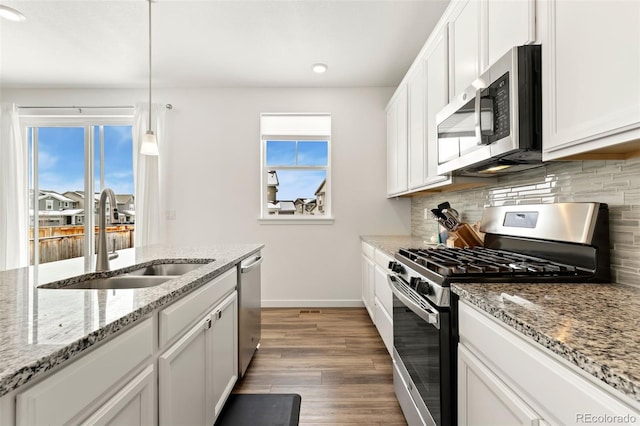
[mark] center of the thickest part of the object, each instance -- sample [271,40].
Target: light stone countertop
[43,328]
[593,326]
[390,244]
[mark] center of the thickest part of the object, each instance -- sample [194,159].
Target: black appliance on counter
[557,243]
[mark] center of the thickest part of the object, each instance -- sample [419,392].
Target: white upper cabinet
[591,78]
[397,152]
[464,64]
[482,31]
[416,88]
[508,23]
[437,79]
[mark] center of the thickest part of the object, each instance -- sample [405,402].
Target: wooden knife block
[466,237]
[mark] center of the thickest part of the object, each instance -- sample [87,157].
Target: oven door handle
[431,316]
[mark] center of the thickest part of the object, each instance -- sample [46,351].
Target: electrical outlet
[427,213]
[171,215]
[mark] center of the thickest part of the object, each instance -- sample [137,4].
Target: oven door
[421,340]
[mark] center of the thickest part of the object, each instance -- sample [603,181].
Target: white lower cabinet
[376,293]
[197,373]
[384,307]
[367,279]
[505,379]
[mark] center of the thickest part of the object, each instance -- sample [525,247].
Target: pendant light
[149,145]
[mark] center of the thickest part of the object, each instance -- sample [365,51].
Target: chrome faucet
[103,257]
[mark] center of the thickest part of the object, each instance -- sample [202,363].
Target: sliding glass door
[70,163]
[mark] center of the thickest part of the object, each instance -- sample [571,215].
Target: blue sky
[61,159]
[298,183]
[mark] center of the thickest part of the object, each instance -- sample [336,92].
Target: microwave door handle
[478,115]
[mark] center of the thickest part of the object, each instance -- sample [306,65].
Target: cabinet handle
[207,324]
[218,314]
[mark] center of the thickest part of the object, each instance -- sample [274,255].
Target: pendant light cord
[149,127]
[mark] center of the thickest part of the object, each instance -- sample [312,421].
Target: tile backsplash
[615,182]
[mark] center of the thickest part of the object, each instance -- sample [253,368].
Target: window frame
[294,136]
[74,117]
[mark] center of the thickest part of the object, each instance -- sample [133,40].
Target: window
[71,159]
[296,167]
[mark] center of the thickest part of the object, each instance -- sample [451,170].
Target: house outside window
[296,167]
[48,204]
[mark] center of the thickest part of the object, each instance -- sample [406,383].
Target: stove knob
[424,288]
[391,263]
[397,268]
[414,282]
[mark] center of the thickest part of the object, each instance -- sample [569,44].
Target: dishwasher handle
[246,268]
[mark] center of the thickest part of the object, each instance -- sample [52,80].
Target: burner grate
[481,261]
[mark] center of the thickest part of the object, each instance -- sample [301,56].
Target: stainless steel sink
[166,269]
[119,282]
[143,277]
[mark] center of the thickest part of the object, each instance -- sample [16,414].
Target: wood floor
[334,358]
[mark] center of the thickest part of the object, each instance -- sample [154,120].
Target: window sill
[297,221]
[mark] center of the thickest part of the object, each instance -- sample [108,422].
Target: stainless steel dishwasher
[249,306]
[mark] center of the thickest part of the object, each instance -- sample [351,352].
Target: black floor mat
[260,409]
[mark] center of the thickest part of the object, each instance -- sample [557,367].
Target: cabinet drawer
[185,311]
[383,291]
[367,250]
[59,398]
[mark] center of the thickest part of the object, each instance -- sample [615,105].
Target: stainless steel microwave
[495,126]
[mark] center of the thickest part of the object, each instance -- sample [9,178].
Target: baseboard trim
[312,304]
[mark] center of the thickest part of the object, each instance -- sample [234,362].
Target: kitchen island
[43,330]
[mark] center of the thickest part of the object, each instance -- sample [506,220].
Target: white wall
[212,181]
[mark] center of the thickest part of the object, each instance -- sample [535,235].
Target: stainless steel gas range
[562,242]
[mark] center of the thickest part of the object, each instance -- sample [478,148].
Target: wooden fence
[66,242]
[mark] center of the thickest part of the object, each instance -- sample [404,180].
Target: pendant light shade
[149,145]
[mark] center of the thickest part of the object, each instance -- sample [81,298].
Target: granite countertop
[594,326]
[390,244]
[41,328]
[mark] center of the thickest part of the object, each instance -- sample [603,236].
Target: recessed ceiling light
[11,14]
[319,68]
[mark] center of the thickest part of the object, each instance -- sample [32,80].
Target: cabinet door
[437,68]
[383,307]
[367,285]
[183,379]
[509,23]
[132,406]
[464,45]
[223,348]
[417,117]
[591,75]
[397,179]
[483,399]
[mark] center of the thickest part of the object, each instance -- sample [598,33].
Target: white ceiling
[213,43]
